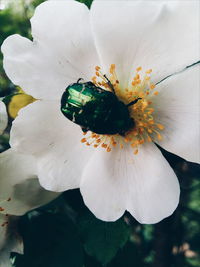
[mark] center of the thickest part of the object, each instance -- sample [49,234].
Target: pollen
[139,69]
[141,91]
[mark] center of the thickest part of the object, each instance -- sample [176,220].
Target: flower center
[138,97]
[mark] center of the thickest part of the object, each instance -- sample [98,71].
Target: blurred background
[66,234]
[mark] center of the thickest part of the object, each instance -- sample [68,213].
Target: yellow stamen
[139,69]
[146,129]
[149,71]
[97,68]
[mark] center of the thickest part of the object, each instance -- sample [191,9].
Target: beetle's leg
[133,102]
[80,79]
[109,83]
[84,129]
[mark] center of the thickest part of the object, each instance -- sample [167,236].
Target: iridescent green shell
[95,109]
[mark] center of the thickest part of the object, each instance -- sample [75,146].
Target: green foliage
[49,240]
[87,2]
[12,22]
[103,239]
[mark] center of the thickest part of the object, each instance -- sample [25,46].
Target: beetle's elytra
[95,109]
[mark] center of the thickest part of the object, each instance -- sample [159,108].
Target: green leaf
[129,256]
[101,239]
[49,240]
[86,2]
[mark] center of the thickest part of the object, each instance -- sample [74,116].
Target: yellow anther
[135,133]
[93,135]
[134,83]
[104,145]
[141,141]
[149,138]
[136,152]
[156,93]
[108,149]
[83,140]
[149,71]
[159,136]
[151,122]
[133,145]
[139,69]
[160,126]
[141,94]
[97,68]
[137,76]
[112,68]
[152,86]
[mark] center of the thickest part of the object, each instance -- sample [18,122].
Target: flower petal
[42,130]
[143,184]
[19,187]
[37,126]
[3,117]
[152,34]
[178,108]
[60,168]
[63,50]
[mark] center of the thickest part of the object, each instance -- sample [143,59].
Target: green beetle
[96,109]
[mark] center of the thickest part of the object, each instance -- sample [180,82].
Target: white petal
[61,166]
[62,51]
[42,130]
[178,109]
[3,117]
[144,184]
[40,126]
[19,187]
[37,126]
[152,34]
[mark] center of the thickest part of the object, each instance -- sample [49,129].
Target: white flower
[20,192]
[68,42]
[3,117]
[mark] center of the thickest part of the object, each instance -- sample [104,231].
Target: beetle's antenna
[133,102]
[80,79]
[109,83]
